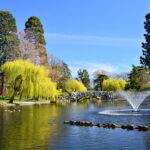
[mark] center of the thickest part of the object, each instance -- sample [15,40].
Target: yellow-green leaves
[114,84]
[35,80]
[72,85]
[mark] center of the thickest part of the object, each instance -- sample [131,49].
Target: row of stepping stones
[107,125]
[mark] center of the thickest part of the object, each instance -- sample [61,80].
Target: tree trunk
[12,97]
[3,88]
[16,88]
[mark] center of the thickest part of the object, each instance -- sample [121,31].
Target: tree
[59,71]
[123,76]
[54,74]
[27,80]
[138,77]
[83,76]
[114,84]
[26,47]
[35,34]
[9,43]
[54,62]
[99,81]
[145,59]
[72,85]
[100,72]
[65,75]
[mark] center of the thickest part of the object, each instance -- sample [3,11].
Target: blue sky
[90,34]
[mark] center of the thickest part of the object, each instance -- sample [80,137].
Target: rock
[105,125]
[94,124]
[129,127]
[71,122]
[98,124]
[113,126]
[143,128]
[123,126]
[75,96]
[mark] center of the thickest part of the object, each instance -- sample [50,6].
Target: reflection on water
[42,128]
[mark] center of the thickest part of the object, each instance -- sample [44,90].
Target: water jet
[135,99]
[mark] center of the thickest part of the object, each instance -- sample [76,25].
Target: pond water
[42,128]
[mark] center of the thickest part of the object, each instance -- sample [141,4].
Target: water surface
[42,128]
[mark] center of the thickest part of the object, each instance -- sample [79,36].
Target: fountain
[135,99]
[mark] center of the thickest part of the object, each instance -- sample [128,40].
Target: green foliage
[145,87]
[59,71]
[65,71]
[34,26]
[72,85]
[145,59]
[138,77]
[134,78]
[114,84]
[9,43]
[65,75]
[35,34]
[83,76]
[99,81]
[85,99]
[27,80]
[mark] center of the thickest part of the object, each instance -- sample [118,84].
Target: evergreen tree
[99,81]
[139,76]
[145,59]
[9,43]
[65,75]
[83,76]
[65,71]
[35,34]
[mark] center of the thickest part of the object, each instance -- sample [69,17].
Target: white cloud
[92,67]
[98,39]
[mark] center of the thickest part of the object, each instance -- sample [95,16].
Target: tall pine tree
[145,59]
[9,43]
[35,34]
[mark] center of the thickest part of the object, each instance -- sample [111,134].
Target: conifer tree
[145,59]
[83,76]
[9,43]
[138,77]
[99,81]
[35,34]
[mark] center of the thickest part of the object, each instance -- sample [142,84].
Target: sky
[88,34]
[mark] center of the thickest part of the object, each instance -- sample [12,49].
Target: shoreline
[5,103]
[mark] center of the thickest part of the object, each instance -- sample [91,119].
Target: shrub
[114,84]
[72,85]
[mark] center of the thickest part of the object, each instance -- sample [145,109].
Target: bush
[114,84]
[72,85]
[145,87]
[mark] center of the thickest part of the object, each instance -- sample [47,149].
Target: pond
[42,128]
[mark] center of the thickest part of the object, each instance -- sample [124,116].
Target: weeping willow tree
[72,85]
[27,80]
